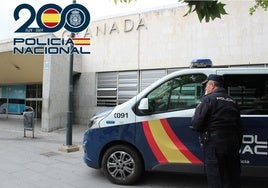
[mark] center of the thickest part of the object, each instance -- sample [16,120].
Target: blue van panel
[254,151]
[163,142]
[95,141]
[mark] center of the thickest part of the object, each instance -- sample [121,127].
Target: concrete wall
[55,92]
[84,97]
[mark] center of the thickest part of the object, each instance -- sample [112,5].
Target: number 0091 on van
[150,132]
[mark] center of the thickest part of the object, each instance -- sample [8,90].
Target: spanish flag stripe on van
[165,144]
[153,145]
[179,143]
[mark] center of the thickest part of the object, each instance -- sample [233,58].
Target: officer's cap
[214,77]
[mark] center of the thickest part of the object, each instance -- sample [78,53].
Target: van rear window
[250,91]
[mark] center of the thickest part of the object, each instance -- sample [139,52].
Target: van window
[250,91]
[179,93]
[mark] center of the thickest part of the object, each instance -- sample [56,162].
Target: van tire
[122,165]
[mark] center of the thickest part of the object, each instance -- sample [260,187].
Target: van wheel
[122,165]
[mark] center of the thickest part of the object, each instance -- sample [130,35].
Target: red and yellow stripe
[50,17]
[165,145]
[81,41]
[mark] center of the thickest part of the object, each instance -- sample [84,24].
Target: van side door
[251,92]
[168,139]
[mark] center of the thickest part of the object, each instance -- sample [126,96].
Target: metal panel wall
[107,89]
[127,85]
[150,76]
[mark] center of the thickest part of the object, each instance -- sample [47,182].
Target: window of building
[12,99]
[107,89]
[127,85]
[115,88]
[150,76]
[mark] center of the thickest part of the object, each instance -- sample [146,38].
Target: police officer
[217,118]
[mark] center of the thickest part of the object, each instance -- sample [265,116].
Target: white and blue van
[150,132]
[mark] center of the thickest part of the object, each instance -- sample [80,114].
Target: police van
[150,132]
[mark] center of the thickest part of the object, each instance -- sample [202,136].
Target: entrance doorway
[34,99]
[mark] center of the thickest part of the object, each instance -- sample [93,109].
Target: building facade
[130,52]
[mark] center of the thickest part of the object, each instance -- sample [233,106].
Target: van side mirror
[144,104]
[144,107]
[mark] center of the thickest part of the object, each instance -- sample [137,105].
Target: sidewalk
[36,162]
[12,128]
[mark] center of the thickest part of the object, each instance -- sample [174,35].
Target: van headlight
[94,123]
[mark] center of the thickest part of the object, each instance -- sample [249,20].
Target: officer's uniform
[219,116]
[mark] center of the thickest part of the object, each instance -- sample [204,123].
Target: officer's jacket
[217,112]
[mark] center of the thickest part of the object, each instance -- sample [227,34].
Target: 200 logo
[51,18]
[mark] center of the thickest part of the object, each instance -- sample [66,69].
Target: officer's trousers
[222,164]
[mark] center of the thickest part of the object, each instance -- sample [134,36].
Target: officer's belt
[222,133]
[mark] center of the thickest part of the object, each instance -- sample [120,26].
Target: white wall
[170,40]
